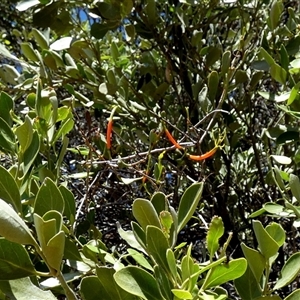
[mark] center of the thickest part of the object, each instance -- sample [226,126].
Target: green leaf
[54,250]
[255,260]
[71,250]
[48,198]
[226,61]
[9,190]
[40,39]
[294,93]
[267,245]
[140,259]
[12,227]
[163,282]
[166,220]
[215,231]
[188,204]
[247,286]
[139,234]
[213,84]
[276,231]
[129,237]
[108,11]
[90,289]
[109,286]
[6,105]
[14,261]
[29,52]
[151,13]
[138,282]
[31,153]
[275,13]
[226,272]
[158,200]
[172,263]
[25,4]
[278,73]
[213,55]
[7,137]
[295,295]
[70,205]
[24,133]
[23,288]
[267,56]
[294,184]
[98,31]
[145,213]
[281,159]
[181,294]
[157,245]
[289,271]
[61,44]
[271,96]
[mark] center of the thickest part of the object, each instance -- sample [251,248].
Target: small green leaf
[294,184]
[6,105]
[289,271]
[48,198]
[188,204]
[295,295]
[71,250]
[276,232]
[226,272]
[247,286]
[151,12]
[61,44]
[267,56]
[159,202]
[109,286]
[267,245]
[23,288]
[138,282]
[54,250]
[226,61]
[172,263]
[7,137]
[255,260]
[129,237]
[40,39]
[157,245]
[31,153]
[70,205]
[181,294]
[12,227]
[213,84]
[278,73]
[90,288]
[166,220]
[29,52]
[24,133]
[25,4]
[140,259]
[145,213]
[276,10]
[9,190]
[14,261]
[281,159]
[215,231]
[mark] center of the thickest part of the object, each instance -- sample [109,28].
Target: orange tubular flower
[203,156]
[108,133]
[172,140]
[109,128]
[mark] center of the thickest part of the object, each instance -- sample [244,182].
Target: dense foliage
[191,104]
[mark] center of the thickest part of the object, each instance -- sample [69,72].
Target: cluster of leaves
[193,67]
